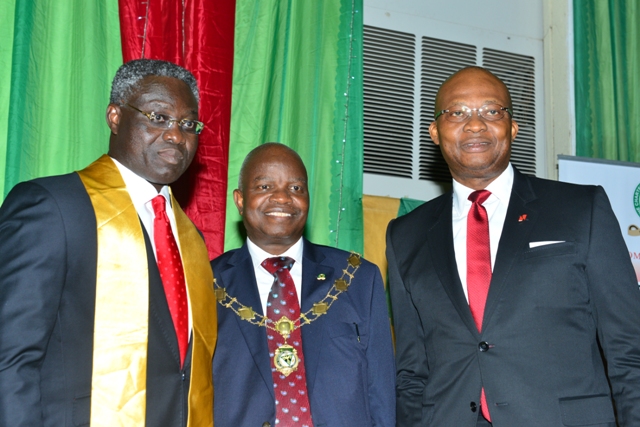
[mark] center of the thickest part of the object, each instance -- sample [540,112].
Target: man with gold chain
[105,285]
[304,336]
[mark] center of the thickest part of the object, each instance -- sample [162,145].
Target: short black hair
[129,75]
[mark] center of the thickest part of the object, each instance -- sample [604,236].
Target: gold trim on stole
[120,334]
[204,317]
[120,342]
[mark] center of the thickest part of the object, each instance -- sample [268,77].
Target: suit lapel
[444,259]
[240,282]
[313,290]
[520,219]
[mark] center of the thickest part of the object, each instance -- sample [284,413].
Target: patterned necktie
[171,273]
[478,266]
[290,388]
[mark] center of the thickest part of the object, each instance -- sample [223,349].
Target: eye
[188,124]
[296,187]
[459,112]
[158,118]
[492,112]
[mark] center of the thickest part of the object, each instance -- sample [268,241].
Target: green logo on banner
[636,199]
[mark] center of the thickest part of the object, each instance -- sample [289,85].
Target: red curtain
[198,35]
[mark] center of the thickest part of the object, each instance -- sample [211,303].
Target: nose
[281,195]
[475,123]
[174,133]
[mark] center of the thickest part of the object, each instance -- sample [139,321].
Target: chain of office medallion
[321,307]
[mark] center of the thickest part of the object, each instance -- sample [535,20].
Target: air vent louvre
[389,69]
[518,73]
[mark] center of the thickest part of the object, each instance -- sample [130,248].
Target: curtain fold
[607,83]
[197,35]
[57,60]
[298,80]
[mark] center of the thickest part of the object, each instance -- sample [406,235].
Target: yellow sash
[118,395]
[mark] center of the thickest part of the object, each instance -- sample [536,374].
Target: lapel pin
[522,217]
[321,276]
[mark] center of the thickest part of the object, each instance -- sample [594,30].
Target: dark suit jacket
[552,312]
[350,382]
[48,247]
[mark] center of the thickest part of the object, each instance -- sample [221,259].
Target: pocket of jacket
[586,410]
[82,410]
[427,409]
[555,249]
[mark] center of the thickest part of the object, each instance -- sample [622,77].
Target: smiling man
[105,284]
[514,299]
[304,336]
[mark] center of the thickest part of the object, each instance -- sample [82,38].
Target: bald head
[470,73]
[267,147]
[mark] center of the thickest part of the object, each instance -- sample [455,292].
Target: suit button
[473,406]
[483,346]
[266,424]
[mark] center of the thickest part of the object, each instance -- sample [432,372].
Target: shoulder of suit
[337,257]
[223,258]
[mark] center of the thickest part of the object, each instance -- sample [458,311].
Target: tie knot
[278,263]
[479,196]
[158,204]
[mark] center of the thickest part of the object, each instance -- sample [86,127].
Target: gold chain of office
[285,326]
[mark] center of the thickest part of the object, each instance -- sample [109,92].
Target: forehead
[163,89]
[472,88]
[276,164]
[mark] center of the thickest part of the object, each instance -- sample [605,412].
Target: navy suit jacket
[48,250]
[554,313]
[350,381]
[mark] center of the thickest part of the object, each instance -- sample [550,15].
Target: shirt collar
[140,190]
[258,254]
[500,188]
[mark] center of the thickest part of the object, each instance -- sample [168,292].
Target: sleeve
[412,368]
[32,274]
[615,298]
[381,372]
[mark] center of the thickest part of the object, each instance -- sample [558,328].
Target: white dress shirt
[496,206]
[264,279]
[142,192]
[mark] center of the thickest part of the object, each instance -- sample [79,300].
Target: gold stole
[118,389]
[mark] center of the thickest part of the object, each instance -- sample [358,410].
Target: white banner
[621,181]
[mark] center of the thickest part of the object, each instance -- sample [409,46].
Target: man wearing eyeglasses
[514,299]
[107,311]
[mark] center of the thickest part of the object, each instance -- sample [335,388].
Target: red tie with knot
[289,376]
[171,273]
[478,266]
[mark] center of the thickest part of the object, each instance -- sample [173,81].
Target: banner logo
[636,199]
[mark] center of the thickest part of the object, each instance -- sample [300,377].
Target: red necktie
[292,401]
[171,273]
[478,266]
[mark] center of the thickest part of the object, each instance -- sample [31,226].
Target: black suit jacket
[348,353]
[552,313]
[48,247]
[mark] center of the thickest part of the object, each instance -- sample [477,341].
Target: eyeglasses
[490,112]
[162,121]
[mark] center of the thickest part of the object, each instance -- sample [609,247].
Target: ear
[238,200]
[514,129]
[113,117]
[433,131]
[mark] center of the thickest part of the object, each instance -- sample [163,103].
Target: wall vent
[389,69]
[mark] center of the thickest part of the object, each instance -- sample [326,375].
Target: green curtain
[57,60]
[607,81]
[298,80]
